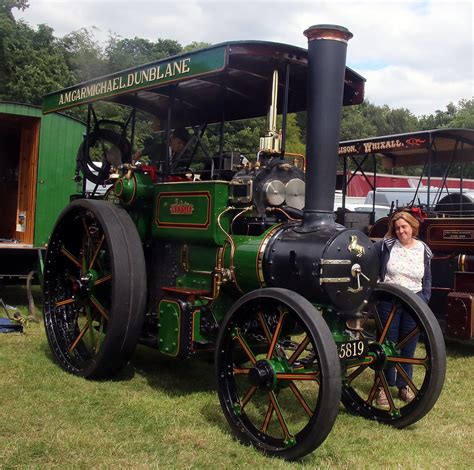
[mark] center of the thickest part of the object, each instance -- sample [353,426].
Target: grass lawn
[161,413]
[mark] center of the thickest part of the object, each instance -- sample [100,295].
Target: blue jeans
[402,324]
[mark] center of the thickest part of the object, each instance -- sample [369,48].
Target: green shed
[37,163]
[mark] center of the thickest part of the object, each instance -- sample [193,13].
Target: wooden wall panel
[27,180]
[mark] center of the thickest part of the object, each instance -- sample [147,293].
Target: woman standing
[404,260]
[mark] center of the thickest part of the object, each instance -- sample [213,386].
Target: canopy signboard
[147,76]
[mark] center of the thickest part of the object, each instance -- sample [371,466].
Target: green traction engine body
[198,266]
[237,258]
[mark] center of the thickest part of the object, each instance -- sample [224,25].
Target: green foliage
[438,119]
[240,136]
[83,54]
[464,116]
[6,7]
[121,53]
[293,136]
[196,45]
[33,62]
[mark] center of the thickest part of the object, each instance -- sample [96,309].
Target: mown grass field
[159,413]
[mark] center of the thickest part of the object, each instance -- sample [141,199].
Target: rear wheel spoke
[96,252]
[79,337]
[61,303]
[103,279]
[99,307]
[70,256]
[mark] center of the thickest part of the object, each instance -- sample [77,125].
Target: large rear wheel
[423,371]
[94,288]
[278,373]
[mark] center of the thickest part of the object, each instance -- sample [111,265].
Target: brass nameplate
[458,234]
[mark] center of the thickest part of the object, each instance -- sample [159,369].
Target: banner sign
[384,144]
[151,75]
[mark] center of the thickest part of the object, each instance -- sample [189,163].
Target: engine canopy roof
[228,81]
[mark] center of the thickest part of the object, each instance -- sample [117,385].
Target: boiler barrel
[332,265]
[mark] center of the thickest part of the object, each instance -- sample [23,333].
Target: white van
[403,196]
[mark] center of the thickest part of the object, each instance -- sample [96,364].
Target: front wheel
[421,372]
[278,373]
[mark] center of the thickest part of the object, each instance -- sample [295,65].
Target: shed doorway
[19,141]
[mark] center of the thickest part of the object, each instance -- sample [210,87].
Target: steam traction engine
[249,264]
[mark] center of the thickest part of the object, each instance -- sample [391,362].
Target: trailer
[37,162]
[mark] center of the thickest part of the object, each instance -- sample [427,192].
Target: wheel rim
[363,377]
[273,380]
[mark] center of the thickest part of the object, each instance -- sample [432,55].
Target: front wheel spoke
[279,414]
[264,325]
[245,347]
[408,337]
[402,372]
[363,361]
[376,316]
[276,335]
[298,351]
[296,376]
[103,279]
[387,324]
[81,334]
[268,417]
[301,399]
[250,393]
[385,386]
[99,307]
[356,373]
[409,360]
[373,390]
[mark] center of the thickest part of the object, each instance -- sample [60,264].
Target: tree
[84,55]
[355,123]
[464,116]
[438,119]
[6,7]
[33,62]
[121,53]
[196,45]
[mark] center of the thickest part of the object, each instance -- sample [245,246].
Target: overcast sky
[415,54]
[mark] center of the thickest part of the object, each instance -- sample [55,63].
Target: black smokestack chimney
[327,46]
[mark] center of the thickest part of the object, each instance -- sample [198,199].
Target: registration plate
[352,349]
